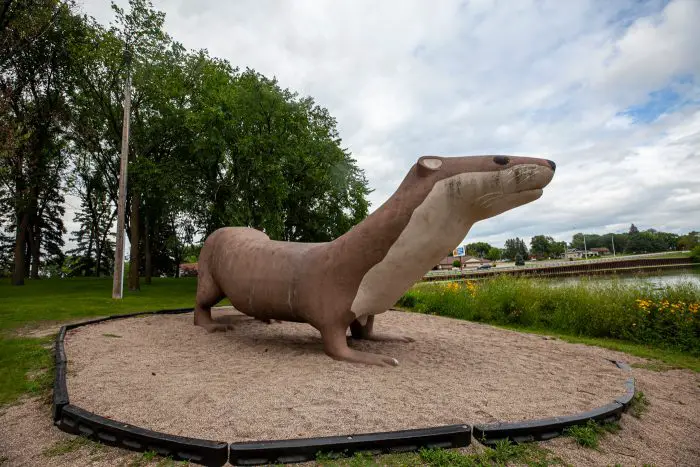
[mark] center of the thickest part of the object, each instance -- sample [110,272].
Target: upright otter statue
[345,282]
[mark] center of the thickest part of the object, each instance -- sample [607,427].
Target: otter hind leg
[208,295]
[366,331]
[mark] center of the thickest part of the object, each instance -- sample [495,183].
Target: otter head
[445,195]
[478,187]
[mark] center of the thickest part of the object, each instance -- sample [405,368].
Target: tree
[210,146]
[34,79]
[651,241]
[95,247]
[541,246]
[513,247]
[134,44]
[695,254]
[494,254]
[557,249]
[269,160]
[688,241]
[479,249]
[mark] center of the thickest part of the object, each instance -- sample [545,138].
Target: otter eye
[501,160]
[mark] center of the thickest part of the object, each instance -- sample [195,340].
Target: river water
[657,279]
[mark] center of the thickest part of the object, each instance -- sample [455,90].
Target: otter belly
[257,274]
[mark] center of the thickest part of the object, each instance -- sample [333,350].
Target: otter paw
[391,361]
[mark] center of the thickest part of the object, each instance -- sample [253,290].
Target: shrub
[456,263]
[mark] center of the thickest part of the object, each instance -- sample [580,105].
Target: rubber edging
[306,449]
[60,389]
[173,311]
[547,428]
[78,421]
[544,428]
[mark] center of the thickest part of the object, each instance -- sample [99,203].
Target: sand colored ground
[668,434]
[273,381]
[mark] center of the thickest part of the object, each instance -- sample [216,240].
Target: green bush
[695,254]
[635,312]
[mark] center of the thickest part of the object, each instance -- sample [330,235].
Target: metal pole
[118,280]
[585,250]
[612,236]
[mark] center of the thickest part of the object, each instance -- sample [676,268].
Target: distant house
[446,262]
[473,261]
[188,269]
[576,253]
[600,251]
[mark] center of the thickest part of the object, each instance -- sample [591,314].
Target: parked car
[484,266]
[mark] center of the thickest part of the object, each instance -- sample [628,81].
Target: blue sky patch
[661,101]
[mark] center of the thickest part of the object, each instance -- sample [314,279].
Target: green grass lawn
[66,299]
[25,362]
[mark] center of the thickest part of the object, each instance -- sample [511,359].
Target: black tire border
[547,428]
[306,449]
[75,420]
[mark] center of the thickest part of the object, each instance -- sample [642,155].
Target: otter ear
[428,164]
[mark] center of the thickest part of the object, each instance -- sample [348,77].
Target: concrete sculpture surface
[344,283]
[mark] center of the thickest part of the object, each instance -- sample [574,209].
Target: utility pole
[585,250]
[118,279]
[613,243]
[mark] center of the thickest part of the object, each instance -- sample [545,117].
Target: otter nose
[552,164]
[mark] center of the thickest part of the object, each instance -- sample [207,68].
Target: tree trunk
[88,263]
[28,250]
[147,251]
[134,283]
[36,252]
[20,245]
[98,263]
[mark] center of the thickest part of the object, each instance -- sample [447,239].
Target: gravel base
[668,434]
[273,381]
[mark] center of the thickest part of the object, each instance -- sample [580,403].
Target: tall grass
[637,312]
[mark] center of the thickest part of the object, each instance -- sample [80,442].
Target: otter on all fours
[344,283]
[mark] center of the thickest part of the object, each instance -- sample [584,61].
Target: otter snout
[526,177]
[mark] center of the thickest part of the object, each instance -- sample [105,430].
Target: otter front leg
[335,345]
[366,331]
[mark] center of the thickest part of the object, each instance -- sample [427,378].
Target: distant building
[600,251]
[447,262]
[576,253]
[465,261]
[188,269]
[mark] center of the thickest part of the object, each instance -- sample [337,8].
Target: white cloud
[550,78]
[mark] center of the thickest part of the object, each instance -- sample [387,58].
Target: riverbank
[637,315]
[571,268]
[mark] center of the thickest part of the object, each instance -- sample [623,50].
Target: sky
[609,90]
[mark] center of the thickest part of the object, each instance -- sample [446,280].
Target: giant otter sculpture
[344,283]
